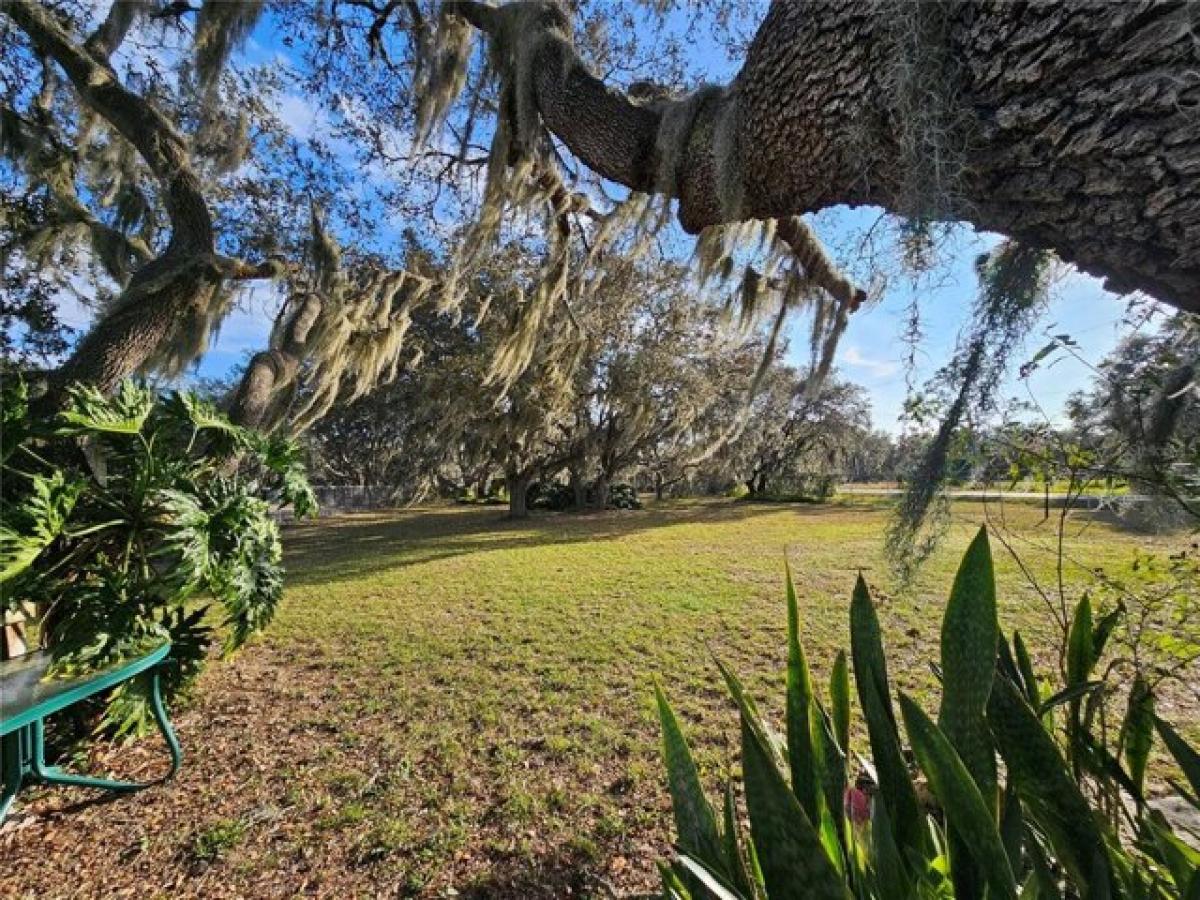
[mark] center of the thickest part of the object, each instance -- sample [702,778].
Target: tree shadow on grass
[353,546]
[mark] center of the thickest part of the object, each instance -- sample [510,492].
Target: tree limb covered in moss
[1031,115]
[179,295]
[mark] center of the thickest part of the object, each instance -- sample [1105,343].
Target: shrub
[1051,825]
[551,495]
[558,497]
[623,496]
[128,518]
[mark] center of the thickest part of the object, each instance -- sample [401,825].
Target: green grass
[450,699]
[524,653]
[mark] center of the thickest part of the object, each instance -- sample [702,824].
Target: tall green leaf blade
[695,822]
[794,862]
[970,633]
[1012,828]
[871,679]
[839,698]
[1137,731]
[673,887]
[713,886]
[967,812]
[776,746]
[888,867]
[832,775]
[1025,666]
[1081,660]
[1049,794]
[799,713]
[1080,644]
[731,836]
[1181,860]
[1185,755]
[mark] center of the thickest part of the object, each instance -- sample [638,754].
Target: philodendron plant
[1019,781]
[137,518]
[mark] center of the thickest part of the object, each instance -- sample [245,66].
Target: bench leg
[54,775]
[13,758]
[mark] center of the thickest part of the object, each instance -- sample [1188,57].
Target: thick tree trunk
[578,490]
[658,486]
[518,494]
[600,491]
[1066,125]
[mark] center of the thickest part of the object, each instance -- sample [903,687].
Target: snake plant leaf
[839,699]
[1181,860]
[1137,731]
[1049,795]
[1185,755]
[776,746]
[970,634]
[1042,881]
[871,679]
[1080,644]
[1012,828]
[713,886]
[832,774]
[802,749]
[794,861]
[731,836]
[695,822]
[673,887]
[1104,762]
[892,880]
[1070,694]
[1025,667]
[967,812]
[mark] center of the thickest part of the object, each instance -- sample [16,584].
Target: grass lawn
[450,704]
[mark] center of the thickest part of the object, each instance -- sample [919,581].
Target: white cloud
[880,368]
[301,117]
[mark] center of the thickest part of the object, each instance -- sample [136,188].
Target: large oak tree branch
[138,121]
[1068,125]
[162,293]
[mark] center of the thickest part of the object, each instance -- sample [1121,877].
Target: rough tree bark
[260,397]
[1066,125]
[517,484]
[578,489]
[162,292]
[600,491]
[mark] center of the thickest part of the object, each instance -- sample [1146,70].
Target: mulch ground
[241,818]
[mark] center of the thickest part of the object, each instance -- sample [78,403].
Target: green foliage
[127,519]
[1044,829]
[623,496]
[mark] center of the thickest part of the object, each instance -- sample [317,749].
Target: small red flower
[858,806]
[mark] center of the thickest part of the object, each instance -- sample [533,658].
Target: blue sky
[872,352]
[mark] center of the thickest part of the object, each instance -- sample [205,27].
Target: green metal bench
[26,699]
